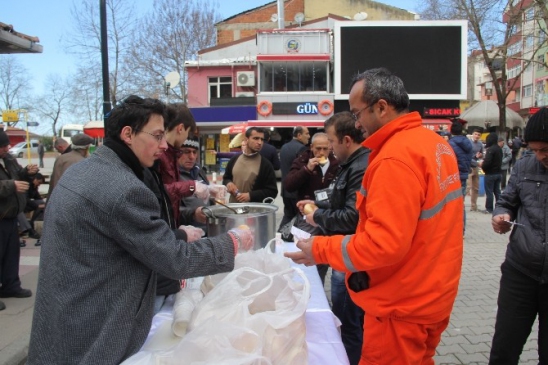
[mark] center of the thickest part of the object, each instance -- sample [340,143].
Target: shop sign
[293,46]
[533,110]
[295,108]
[441,112]
[10,116]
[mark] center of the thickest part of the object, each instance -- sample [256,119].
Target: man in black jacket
[338,215]
[13,187]
[491,167]
[523,290]
[288,153]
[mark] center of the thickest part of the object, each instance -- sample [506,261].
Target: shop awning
[241,127]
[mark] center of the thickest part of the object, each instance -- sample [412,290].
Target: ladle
[242,210]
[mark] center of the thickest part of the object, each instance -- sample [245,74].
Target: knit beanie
[192,142]
[536,129]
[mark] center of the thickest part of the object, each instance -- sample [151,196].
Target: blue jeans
[520,299]
[350,315]
[492,187]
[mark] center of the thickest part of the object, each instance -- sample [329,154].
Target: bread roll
[322,160]
[309,208]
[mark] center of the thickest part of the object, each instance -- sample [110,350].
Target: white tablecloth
[322,334]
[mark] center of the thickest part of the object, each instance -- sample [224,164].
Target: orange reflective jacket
[409,236]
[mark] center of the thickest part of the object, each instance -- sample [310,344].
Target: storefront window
[293,76]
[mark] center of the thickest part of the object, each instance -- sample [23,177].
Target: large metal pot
[261,219]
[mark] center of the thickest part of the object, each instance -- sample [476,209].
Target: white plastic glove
[201,190]
[245,238]
[192,233]
[217,191]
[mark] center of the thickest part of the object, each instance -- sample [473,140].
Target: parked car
[20,149]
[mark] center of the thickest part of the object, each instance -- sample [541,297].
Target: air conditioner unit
[245,94]
[245,78]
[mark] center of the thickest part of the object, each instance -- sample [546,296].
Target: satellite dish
[299,17]
[362,15]
[274,18]
[172,79]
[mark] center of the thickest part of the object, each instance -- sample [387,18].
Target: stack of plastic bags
[254,315]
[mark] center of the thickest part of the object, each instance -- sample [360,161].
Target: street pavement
[467,339]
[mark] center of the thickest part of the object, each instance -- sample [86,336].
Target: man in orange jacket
[403,263]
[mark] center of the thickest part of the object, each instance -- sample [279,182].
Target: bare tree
[186,27]
[85,41]
[494,26]
[54,103]
[14,83]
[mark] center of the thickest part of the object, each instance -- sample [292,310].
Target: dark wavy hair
[134,112]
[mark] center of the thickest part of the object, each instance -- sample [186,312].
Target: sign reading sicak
[10,116]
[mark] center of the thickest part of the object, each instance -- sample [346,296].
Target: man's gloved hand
[192,233]
[201,191]
[217,191]
[245,238]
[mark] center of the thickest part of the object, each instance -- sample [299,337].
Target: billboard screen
[429,56]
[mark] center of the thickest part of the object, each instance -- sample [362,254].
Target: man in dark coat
[270,152]
[491,167]
[13,187]
[464,151]
[288,153]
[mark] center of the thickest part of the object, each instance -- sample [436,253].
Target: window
[513,72]
[220,87]
[514,48]
[529,42]
[527,91]
[518,95]
[530,13]
[293,76]
[540,64]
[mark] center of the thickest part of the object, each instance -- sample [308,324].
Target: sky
[51,21]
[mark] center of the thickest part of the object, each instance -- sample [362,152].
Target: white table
[322,334]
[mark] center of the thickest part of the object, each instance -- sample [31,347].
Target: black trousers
[10,252]
[290,210]
[520,299]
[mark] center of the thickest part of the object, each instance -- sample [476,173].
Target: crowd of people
[124,225]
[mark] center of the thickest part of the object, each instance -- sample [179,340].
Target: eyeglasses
[356,115]
[158,137]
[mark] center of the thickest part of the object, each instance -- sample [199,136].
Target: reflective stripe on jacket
[409,236]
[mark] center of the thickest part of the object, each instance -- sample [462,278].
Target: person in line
[106,242]
[61,146]
[506,159]
[41,152]
[472,185]
[524,280]
[516,147]
[464,151]
[308,177]
[269,151]
[338,215]
[13,187]
[491,167]
[288,153]
[79,151]
[250,177]
[403,264]
[179,125]
[191,207]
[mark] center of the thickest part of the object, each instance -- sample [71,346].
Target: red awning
[437,124]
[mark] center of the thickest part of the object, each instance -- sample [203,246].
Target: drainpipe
[281,20]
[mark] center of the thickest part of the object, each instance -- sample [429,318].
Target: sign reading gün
[295,108]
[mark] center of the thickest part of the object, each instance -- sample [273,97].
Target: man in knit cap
[523,290]
[79,151]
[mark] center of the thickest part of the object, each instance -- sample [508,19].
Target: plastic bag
[272,305]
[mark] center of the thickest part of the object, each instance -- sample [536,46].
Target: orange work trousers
[388,341]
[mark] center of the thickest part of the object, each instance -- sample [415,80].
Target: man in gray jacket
[103,242]
[523,208]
